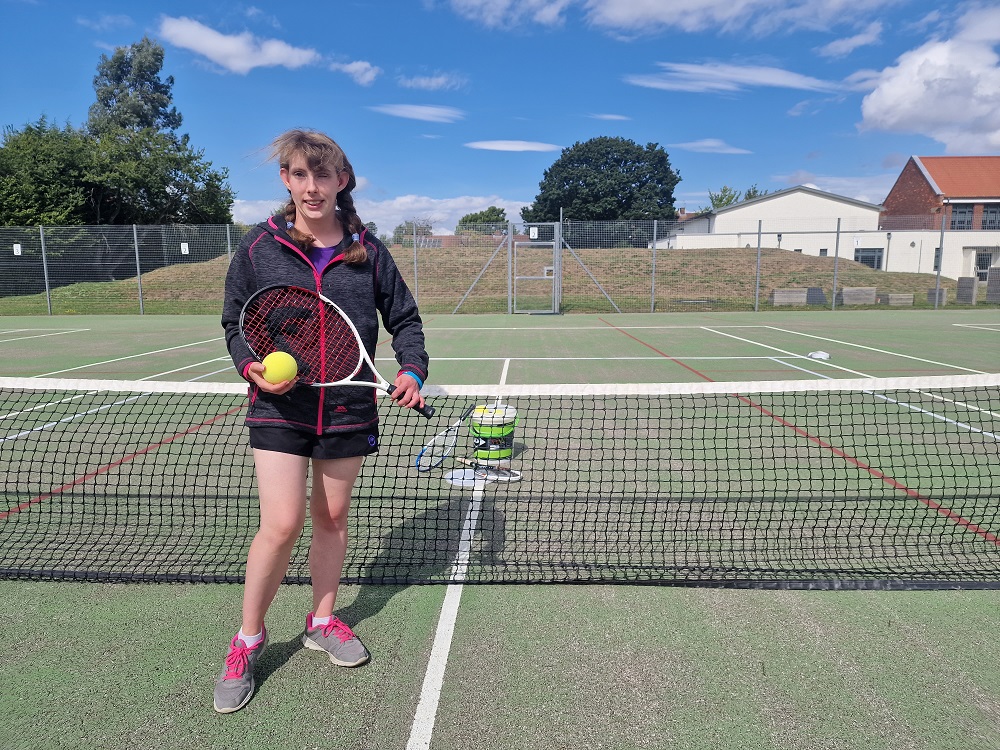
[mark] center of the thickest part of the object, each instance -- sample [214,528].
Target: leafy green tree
[482,220]
[42,175]
[128,166]
[606,179]
[130,92]
[372,228]
[727,196]
[404,233]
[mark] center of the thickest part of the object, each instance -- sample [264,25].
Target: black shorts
[310,445]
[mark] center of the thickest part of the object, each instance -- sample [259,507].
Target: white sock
[319,622]
[251,640]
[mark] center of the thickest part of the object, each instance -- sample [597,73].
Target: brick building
[966,188]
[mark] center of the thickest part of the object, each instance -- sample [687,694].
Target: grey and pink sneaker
[337,640]
[234,687]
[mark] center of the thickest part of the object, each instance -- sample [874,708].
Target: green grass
[453,278]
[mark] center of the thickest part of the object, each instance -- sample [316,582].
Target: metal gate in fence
[536,259]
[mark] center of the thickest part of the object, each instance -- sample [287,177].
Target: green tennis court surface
[774,490]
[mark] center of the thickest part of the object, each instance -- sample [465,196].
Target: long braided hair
[321,151]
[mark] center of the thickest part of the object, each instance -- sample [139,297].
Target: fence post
[652,293]
[940,264]
[45,269]
[229,245]
[836,264]
[416,283]
[756,285]
[138,267]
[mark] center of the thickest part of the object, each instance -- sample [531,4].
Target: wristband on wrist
[420,383]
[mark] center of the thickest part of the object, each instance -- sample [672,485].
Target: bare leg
[281,482]
[333,481]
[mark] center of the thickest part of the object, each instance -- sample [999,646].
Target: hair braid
[356,253]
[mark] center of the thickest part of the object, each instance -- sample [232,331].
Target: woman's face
[314,192]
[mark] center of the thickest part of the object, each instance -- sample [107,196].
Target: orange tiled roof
[965,176]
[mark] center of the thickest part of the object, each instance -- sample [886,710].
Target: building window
[869,256]
[822,252]
[991,216]
[961,216]
[983,262]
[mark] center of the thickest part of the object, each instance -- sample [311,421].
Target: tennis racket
[491,472]
[316,332]
[441,445]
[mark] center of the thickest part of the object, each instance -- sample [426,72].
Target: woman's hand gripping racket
[441,445]
[316,332]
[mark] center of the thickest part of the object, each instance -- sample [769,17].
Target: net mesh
[848,483]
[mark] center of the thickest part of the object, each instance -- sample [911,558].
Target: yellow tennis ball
[279,366]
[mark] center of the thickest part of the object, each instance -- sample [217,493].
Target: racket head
[317,333]
[437,449]
[492,472]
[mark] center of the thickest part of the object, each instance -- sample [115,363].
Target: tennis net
[845,483]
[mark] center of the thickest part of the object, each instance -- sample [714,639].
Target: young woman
[319,243]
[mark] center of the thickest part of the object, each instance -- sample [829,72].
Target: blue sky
[449,106]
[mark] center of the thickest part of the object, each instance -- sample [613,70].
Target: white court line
[130,356]
[991,327]
[692,327]
[37,335]
[879,351]
[430,692]
[783,351]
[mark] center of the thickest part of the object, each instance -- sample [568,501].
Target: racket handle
[427,410]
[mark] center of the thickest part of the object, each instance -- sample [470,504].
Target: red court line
[108,467]
[896,485]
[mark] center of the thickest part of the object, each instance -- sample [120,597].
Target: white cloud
[442,213]
[498,13]
[105,22]
[512,146]
[238,53]
[946,89]
[251,212]
[438,82]
[424,112]
[363,73]
[871,189]
[844,47]
[645,16]
[610,117]
[710,146]
[725,78]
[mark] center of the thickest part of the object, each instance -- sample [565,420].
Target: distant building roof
[962,176]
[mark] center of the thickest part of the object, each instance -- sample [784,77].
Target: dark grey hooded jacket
[366,292]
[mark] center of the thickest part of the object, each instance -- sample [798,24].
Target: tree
[727,196]
[128,166]
[130,92]
[403,234]
[42,175]
[481,220]
[606,179]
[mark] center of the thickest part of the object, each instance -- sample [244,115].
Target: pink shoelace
[237,659]
[344,633]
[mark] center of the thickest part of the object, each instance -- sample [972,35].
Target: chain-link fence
[513,267]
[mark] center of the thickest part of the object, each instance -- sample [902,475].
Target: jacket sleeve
[400,315]
[241,283]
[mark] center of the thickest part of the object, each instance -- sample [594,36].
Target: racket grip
[427,410]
